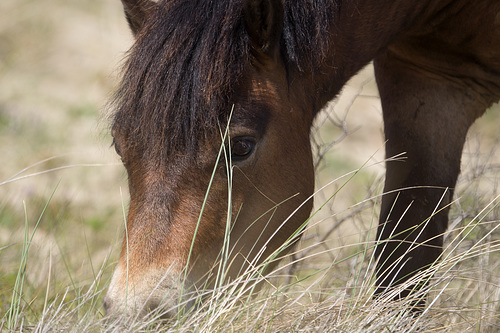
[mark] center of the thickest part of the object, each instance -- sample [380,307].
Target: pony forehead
[179,78]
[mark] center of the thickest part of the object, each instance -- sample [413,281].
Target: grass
[318,288]
[304,304]
[61,231]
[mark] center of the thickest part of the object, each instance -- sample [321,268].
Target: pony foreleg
[426,117]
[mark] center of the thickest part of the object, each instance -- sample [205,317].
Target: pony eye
[117,149]
[242,147]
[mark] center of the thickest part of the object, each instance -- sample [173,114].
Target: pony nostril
[107,305]
[152,305]
[160,309]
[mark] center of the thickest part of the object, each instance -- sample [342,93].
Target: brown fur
[438,69]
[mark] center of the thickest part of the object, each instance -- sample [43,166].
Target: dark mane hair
[178,77]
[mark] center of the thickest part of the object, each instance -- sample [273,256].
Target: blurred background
[59,63]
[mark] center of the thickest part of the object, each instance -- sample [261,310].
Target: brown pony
[213,119]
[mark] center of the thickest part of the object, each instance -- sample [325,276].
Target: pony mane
[179,75]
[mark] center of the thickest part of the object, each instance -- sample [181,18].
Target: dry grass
[310,292]
[57,58]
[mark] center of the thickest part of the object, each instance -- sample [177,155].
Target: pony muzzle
[155,293]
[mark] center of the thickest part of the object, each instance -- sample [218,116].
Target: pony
[212,121]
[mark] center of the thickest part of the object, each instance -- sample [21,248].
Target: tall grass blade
[17,294]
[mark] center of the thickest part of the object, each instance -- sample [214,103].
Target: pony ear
[136,12]
[264,24]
